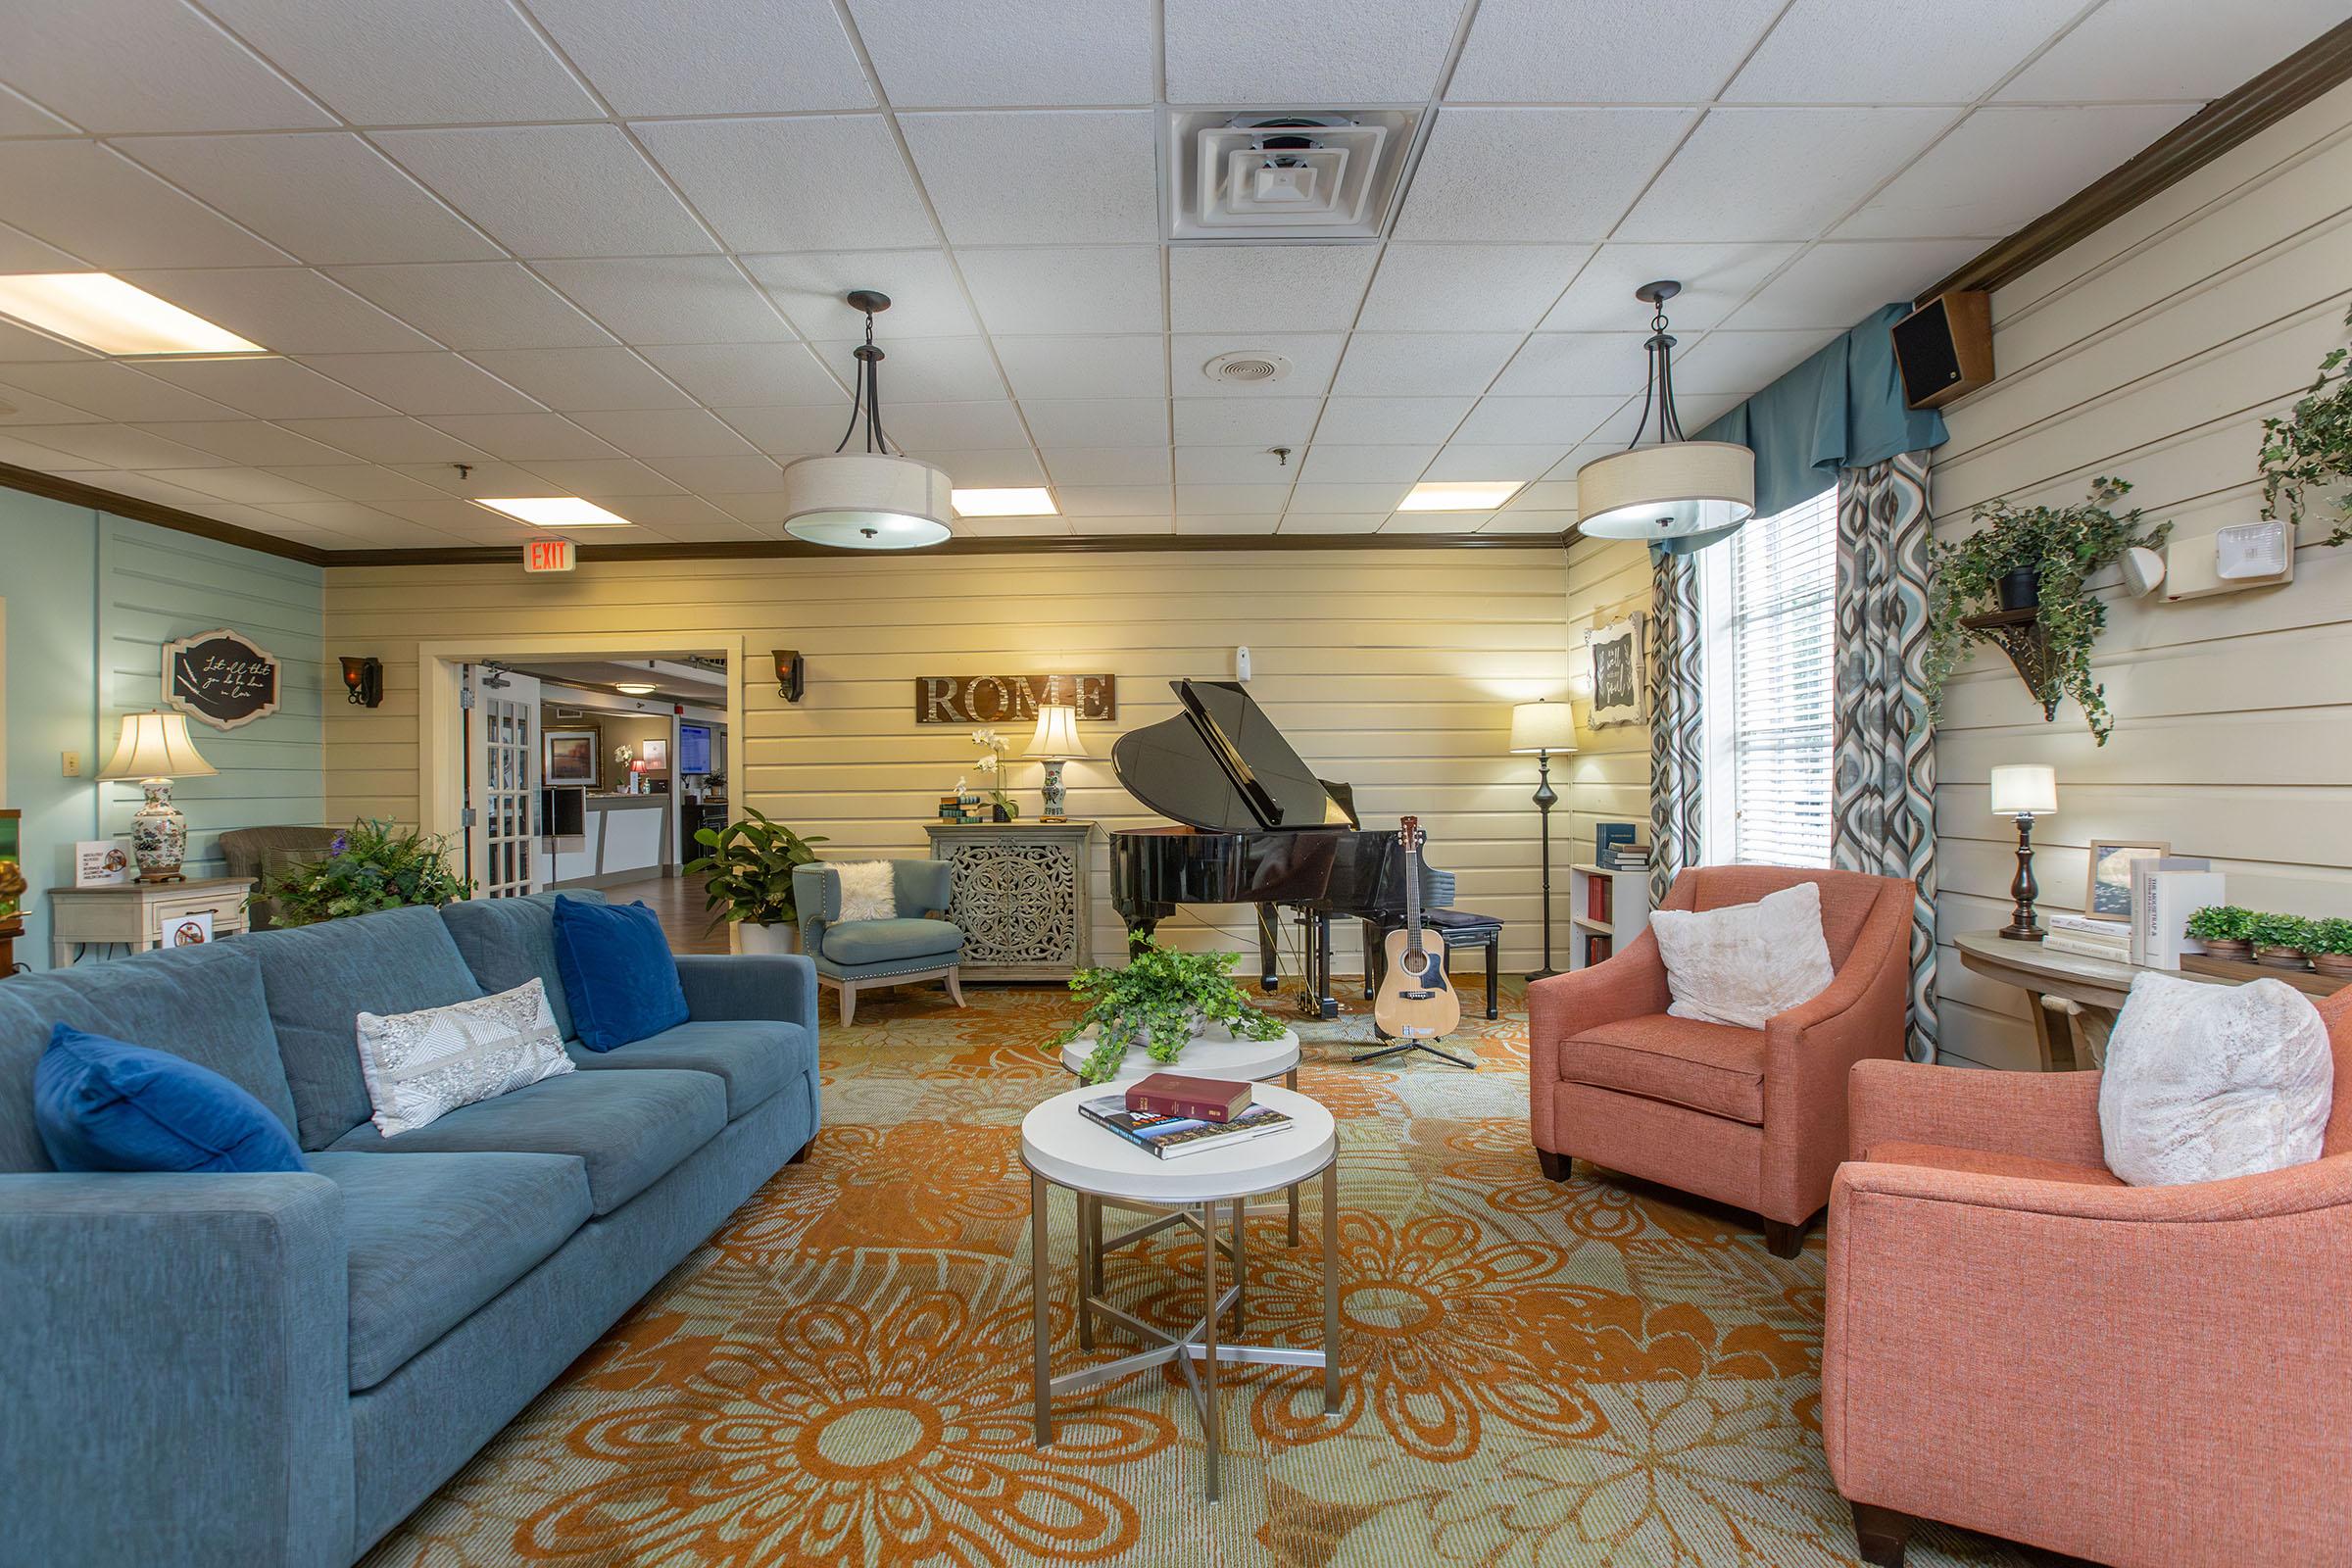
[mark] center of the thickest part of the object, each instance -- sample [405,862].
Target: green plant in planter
[2329,938]
[370,865]
[749,867]
[2312,447]
[1156,999]
[2063,546]
[2222,922]
[2289,931]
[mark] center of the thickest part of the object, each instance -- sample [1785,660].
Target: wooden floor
[678,901]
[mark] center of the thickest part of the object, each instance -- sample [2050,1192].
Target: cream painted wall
[1394,670]
[1608,778]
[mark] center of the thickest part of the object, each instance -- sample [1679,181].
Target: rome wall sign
[1005,699]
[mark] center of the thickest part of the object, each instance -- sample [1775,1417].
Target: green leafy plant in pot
[2310,448]
[1161,1000]
[2278,939]
[2037,558]
[2227,930]
[2329,944]
[750,870]
[370,865]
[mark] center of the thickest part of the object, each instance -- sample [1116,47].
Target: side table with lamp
[1543,728]
[154,748]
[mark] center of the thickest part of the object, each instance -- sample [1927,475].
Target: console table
[137,914]
[1019,893]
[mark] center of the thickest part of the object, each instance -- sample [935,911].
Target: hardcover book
[1172,1094]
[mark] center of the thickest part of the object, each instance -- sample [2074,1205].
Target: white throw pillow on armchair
[1746,963]
[869,890]
[2204,1082]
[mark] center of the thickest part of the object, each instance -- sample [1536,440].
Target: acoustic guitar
[1416,1000]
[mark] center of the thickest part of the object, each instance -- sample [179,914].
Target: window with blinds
[1774,682]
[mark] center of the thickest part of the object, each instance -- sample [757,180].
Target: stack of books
[2089,937]
[1626,858]
[1172,1115]
[965,808]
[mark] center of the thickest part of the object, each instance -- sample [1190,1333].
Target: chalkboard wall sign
[221,678]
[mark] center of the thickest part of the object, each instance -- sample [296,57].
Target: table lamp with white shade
[1543,728]
[2025,791]
[154,748]
[1055,742]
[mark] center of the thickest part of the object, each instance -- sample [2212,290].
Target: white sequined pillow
[1743,963]
[422,1065]
[2204,1082]
[867,890]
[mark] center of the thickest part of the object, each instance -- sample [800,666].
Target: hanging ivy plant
[2312,447]
[2063,546]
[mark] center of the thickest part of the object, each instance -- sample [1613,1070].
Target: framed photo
[570,757]
[654,754]
[1619,689]
[2108,895]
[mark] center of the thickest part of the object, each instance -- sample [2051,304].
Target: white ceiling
[598,246]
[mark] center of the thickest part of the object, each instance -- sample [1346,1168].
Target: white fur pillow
[1747,963]
[866,890]
[2204,1082]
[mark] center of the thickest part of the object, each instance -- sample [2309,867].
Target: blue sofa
[266,1370]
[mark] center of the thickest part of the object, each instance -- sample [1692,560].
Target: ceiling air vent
[1246,367]
[1283,174]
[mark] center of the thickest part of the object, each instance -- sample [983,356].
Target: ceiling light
[871,499]
[633,688]
[1439,495]
[1681,495]
[1033,503]
[100,311]
[556,511]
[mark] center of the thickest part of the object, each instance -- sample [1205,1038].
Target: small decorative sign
[1618,694]
[189,930]
[1003,699]
[100,863]
[221,678]
[550,554]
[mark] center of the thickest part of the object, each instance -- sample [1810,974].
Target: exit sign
[550,554]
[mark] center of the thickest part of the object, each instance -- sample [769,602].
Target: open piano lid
[1223,766]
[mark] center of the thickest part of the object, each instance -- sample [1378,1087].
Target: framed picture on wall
[570,757]
[1619,679]
[2108,897]
[656,755]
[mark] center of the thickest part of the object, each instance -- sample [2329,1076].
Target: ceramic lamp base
[159,834]
[1057,798]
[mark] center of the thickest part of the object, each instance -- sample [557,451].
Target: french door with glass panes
[502,783]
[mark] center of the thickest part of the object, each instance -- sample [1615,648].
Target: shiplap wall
[1394,670]
[2152,351]
[1608,780]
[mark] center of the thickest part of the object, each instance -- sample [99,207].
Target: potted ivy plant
[2042,559]
[750,870]
[2279,941]
[2226,931]
[1162,1000]
[2329,944]
[2310,448]
[370,865]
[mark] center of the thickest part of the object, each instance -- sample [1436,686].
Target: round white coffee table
[1062,1147]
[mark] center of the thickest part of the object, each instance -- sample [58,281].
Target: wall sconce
[364,681]
[792,674]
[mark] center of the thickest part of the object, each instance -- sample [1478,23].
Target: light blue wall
[91,600]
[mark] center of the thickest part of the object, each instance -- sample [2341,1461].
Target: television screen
[694,748]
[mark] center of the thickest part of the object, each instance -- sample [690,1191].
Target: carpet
[1535,1373]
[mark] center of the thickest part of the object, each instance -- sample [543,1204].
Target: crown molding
[1081,545]
[57,487]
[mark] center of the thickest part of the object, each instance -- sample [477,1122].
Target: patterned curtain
[1884,802]
[1677,697]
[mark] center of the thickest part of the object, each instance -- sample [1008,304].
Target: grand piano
[1253,825]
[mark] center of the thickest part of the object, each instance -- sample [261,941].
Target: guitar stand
[1394,1046]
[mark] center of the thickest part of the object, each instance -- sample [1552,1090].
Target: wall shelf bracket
[2019,634]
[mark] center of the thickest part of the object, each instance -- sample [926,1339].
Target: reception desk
[625,838]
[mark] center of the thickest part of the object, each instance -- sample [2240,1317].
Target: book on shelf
[1627,857]
[1175,1137]
[1597,891]
[1175,1094]
[1597,949]
[2165,893]
[2083,947]
[1605,835]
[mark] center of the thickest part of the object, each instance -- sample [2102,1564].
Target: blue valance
[1842,409]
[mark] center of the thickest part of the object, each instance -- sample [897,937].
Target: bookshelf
[1622,899]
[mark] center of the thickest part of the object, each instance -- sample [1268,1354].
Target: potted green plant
[2312,447]
[2037,558]
[2329,944]
[2279,941]
[2226,931]
[1161,1000]
[750,887]
[370,865]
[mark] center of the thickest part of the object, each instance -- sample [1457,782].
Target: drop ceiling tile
[683,516]
[2004,167]
[710,57]
[1086,366]
[553,190]
[1313,361]
[960,426]
[1093,421]
[1433,363]
[356,481]
[1088,288]
[476,305]
[1535,174]
[22,116]
[797,431]
[358,524]
[482,477]
[267,388]
[1109,465]
[1325,52]
[110,391]
[1531,522]
[21,405]
[521,437]
[414,62]
[1546,495]
[286,310]
[87,199]
[1468,288]
[747,373]
[387,440]
[1436,523]
[924,369]
[603,477]
[1221,523]
[583,379]
[1014,469]
[1366,422]
[1278,421]
[20,252]
[323,198]
[1524,464]
[1740,364]
[1108,527]
[758,513]
[1810,56]
[1777,174]
[149,487]
[249,485]
[1075,177]
[120,446]
[981,53]
[828,182]
[1231,500]
[666,432]
[45,459]
[1565,470]
[1382,498]
[1018,527]
[22,345]
[1114,500]
[1327,463]
[1836,285]
[422,383]
[1235,466]
[727,476]
[1715,278]
[1332,521]
[670,299]
[1534,422]
[811,290]
[1576,364]
[2144,49]
[1581,51]
[1267,288]
[114,66]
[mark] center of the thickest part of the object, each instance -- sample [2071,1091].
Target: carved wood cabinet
[1020,893]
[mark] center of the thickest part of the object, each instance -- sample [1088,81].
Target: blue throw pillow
[619,974]
[100,1105]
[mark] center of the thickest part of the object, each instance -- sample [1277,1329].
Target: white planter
[749,938]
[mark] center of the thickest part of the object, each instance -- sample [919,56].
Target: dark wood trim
[57,487]
[2310,73]
[1083,545]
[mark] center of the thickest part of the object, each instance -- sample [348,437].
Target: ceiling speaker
[1943,350]
[1246,367]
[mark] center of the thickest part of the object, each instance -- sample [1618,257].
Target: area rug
[1535,1373]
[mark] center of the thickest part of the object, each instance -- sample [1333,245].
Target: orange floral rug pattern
[1533,1375]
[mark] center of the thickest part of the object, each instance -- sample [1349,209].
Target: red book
[1170,1094]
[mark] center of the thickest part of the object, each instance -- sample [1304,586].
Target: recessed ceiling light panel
[1454,495]
[1011,503]
[556,511]
[633,688]
[101,311]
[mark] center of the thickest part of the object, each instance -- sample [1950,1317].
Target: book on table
[1173,1136]
[1174,1094]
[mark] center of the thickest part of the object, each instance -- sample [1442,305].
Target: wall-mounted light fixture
[792,674]
[364,681]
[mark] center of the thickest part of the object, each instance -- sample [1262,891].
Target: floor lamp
[1543,728]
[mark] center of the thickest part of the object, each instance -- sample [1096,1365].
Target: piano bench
[1456,928]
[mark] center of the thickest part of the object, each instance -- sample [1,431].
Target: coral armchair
[2016,1342]
[1751,1117]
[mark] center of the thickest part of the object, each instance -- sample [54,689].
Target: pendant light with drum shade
[871,499]
[1678,495]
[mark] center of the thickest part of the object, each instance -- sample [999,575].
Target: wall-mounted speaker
[1943,350]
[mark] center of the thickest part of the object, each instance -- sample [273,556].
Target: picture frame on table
[569,757]
[1620,680]
[2107,892]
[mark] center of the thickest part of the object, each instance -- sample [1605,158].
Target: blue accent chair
[853,955]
